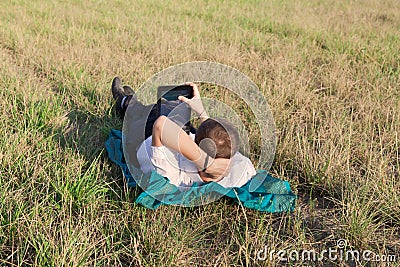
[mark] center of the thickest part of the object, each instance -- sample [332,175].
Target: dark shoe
[116,88]
[122,95]
[118,94]
[128,90]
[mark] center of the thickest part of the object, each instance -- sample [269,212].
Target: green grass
[330,72]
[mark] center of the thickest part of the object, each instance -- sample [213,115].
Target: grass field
[329,69]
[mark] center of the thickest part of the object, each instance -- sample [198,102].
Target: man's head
[220,138]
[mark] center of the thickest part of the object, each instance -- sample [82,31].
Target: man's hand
[195,103]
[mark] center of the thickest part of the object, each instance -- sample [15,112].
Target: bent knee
[159,123]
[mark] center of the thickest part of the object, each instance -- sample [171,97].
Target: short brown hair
[223,133]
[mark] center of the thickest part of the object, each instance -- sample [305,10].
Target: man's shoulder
[241,171]
[239,157]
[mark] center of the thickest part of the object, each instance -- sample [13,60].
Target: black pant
[151,118]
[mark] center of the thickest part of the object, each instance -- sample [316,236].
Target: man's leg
[140,118]
[124,95]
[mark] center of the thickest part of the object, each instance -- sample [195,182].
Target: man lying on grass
[209,155]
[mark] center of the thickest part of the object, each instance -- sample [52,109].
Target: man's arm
[169,134]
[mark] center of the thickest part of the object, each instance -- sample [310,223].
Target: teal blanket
[263,192]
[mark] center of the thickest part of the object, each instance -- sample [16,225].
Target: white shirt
[183,173]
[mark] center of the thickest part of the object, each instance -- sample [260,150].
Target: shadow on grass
[83,136]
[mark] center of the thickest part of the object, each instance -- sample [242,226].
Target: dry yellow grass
[330,72]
